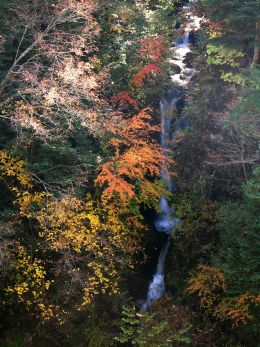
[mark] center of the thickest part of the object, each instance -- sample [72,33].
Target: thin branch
[235,162]
[21,41]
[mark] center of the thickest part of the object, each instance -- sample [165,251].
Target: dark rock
[175,69]
[192,38]
[189,59]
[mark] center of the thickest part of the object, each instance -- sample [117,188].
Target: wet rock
[189,59]
[175,69]
[192,38]
[176,25]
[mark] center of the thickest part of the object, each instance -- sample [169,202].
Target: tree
[239,252]
[136,160]
[156,329]
[71,241]
[54,79]
[239,17]
[230,290]
[153,51]
[210,286]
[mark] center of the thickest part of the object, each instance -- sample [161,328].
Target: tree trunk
[257,45]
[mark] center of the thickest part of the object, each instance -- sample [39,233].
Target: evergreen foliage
[240,240]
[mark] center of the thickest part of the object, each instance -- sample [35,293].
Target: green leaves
[240,240]
[232,78]
[221,55]
[252,187]
[150,329]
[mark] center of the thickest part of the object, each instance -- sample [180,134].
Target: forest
[130,173]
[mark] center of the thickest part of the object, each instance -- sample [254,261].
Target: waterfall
[166,221]
[157,287]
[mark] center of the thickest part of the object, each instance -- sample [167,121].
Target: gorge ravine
[166,221]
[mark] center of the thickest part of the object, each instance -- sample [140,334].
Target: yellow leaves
[211,288]
[215,29]
[94,221]
[30,283]
[66,223]
[13,168]
[92,243]
[104,280]
[209,284]
[28,203]
[20,289]
[81,230]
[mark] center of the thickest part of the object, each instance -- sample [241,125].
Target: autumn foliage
[57,75]
[13,169]
[91,245]
[134,168]
[152,48]
[211,288]
[123,101]
[146,73]
[136,161]
[153,51]
[30,285]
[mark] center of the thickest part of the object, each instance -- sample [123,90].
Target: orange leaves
[137,157]
[211,288]
[145,74]
[239,312]
[134,164]
[237,309]
[209,285]
[136,161]
[115,184]
[137,129]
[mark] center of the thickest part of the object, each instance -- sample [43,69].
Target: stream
[166,222]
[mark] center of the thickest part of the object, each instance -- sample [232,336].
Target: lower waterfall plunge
[157,287]
[166,221]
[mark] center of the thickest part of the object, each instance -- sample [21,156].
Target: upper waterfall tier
[182,48]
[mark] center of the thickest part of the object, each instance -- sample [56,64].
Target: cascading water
[166,221]
[157,287]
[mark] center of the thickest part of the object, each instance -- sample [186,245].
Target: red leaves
[145,73]
[152,48]
[124,100]
[137,158]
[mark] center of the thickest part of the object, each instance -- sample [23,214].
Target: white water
[157,286]
[166,221]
